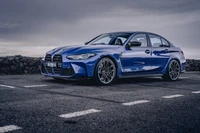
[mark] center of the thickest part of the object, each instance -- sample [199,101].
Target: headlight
[80,56]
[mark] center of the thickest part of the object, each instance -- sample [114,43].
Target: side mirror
[134,44]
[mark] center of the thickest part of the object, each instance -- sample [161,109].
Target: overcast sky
[32,27]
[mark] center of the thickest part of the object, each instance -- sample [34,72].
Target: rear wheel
[173,71]
[105,71]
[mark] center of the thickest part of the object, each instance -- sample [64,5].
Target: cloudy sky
[32,27]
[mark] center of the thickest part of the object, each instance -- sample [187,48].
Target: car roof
[132,32]
[136,32]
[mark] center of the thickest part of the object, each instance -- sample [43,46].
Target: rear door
[137,59]
[160,48]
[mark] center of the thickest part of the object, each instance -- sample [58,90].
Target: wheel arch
[110,57]
[177,60]
[174,59]
[167,65]
[167,76]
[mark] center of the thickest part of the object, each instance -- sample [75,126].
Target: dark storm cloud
[46,22]
[36,10]
[42,11]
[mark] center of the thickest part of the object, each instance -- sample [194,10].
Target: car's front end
[73,62]
[60,67]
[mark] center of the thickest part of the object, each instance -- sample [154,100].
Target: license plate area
[51,64]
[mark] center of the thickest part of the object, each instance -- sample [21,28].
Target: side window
[155,41]
[141,38]
[165,43]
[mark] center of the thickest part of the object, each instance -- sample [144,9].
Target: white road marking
[172,96]
[196,92]
[183,77]
[8,86]
[31,86]
[80,113]
[9,128]
[135,102]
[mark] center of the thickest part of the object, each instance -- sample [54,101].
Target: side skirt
[140,75]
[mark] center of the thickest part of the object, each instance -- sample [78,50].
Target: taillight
[182,52]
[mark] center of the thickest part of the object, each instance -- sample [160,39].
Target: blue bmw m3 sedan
[116,55]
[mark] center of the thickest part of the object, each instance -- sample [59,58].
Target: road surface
[38,104]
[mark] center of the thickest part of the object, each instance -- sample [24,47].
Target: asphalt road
[37,104]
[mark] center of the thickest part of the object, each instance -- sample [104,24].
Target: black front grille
[58,60]
[49,69]
[68,72]
[58,69]
[48,59]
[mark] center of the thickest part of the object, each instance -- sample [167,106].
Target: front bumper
[69,68]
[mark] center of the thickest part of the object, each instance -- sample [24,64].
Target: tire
[173,71]
[105,71]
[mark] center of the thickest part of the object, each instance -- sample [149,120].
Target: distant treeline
[31,65]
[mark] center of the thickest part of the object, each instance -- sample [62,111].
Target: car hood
[81,49]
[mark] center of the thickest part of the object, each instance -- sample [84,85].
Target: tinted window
[155,41]
[165,43]
[141,38]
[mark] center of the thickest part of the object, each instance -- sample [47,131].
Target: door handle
[147,51]
[166,50]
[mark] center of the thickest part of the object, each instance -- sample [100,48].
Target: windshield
[110,39]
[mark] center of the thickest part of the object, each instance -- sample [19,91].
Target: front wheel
[173,71]
[105,71]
